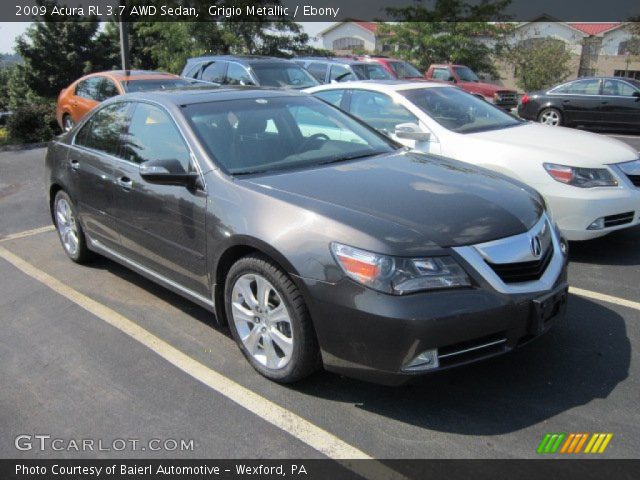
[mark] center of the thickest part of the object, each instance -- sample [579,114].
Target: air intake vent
[523,271]
[616,220]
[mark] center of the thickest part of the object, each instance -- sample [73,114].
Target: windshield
[156,84]
[459,111]
[366,71]
[466,74]
[269,134]
[405,70]
[282,74]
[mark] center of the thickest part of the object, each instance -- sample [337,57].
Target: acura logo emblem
[536,246]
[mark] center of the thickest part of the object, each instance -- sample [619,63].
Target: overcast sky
[10,30]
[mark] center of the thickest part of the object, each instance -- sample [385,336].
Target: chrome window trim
[472,255]
[192,155]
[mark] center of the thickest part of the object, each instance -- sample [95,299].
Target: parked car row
[320,224]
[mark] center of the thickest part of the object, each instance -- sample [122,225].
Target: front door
[620,105]
[162,227]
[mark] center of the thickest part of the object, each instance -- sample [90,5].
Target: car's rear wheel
[270,321]
[67,122]
[550,116]
[69,228]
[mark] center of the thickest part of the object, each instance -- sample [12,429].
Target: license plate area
[546,308]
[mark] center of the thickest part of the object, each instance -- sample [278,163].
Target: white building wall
[611,40]
[349,30]
[571,37]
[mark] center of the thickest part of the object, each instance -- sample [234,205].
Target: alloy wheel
[67,226]
[262,321]
[550,117]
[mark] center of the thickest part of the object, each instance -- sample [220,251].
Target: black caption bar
[319,469]
[319,10]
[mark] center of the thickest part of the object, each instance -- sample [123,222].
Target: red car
[398,68]
[464,78]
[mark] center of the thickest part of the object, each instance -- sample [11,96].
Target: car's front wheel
[270,321]
[69,228]
[550,116]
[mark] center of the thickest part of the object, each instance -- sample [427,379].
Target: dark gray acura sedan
[318,241]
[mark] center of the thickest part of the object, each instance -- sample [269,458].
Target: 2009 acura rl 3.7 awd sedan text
[319,241]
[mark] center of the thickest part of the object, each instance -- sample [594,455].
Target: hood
[487,89]
[444,201]
[565,146]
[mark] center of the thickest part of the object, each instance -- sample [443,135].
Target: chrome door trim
[203,301]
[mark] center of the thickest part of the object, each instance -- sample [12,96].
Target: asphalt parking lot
[78,364]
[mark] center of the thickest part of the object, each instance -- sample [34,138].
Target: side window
[89,88]
[618,88]
[213,72]
[441,74]
[152,135]
[318,70]
[332,96]
[102,131]
[106,89]
[341,73]
[379,110]
[238,75]
[580,87]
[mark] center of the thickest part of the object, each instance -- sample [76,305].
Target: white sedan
[591,183]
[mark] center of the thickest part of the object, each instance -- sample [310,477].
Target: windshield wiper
[355,156]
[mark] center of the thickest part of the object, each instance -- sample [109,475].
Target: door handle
[125,182]
[566,101]
[75,165]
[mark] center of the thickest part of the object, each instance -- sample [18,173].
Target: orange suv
[85,93]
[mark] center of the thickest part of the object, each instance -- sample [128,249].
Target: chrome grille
[523,271]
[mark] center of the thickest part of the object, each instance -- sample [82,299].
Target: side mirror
[168,172]
[411,131]
[452,79]
[636,94]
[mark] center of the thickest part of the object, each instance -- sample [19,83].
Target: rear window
[155,84]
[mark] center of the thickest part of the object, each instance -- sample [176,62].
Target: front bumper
[373,336]
[574,209]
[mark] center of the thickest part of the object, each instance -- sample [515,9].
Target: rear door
[214,72]
[93,162]
[162,227]
[619,105]
[580,101]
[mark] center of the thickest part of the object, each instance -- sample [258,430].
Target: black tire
[82,254]
[305,358]
[550,112]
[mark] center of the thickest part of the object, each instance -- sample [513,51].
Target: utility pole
[124,45]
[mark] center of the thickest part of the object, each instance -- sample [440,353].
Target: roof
[380,85]
[371,27]
[340,60]
[191,95]
[134,74]
[238,58]
[594,28]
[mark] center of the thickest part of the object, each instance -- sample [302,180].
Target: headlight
[581,177]
[399,275]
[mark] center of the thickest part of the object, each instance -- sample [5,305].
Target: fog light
[427,360]
[597,225]
[564,246]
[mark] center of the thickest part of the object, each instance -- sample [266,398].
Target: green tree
[450,31]
[55,53]
[538,63]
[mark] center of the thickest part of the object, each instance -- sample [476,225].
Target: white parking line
[27,233]
[605,298]
[296,426]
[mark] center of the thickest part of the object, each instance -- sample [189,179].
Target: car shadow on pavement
[578,361]
[581,359]
[617,248]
